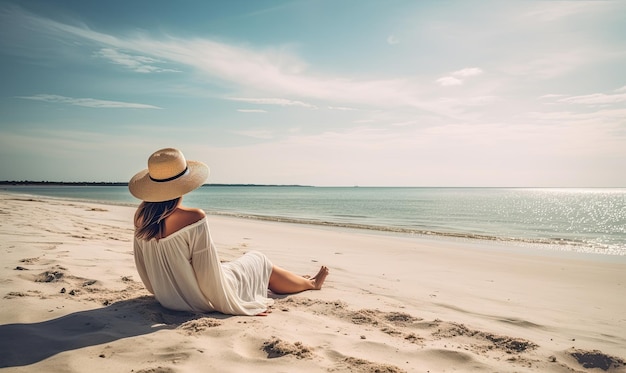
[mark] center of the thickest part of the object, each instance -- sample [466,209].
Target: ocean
[589,220]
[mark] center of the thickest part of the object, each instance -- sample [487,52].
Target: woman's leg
[285,282]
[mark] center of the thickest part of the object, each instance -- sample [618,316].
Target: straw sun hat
[168,176]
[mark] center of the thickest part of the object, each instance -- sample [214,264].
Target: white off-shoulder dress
[184,273]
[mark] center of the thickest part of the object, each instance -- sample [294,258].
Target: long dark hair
[150,218]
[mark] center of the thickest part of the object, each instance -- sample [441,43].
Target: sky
[317,92]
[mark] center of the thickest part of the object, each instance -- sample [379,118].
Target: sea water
[586,220]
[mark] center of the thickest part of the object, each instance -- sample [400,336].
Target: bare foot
[322,269]
[320,277]
[309,277]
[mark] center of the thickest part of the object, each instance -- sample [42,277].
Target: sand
[71,301]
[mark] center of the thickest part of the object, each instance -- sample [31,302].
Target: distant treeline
[110,183]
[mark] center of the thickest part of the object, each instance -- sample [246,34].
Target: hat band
[170,178]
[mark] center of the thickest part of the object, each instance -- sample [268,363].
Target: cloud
[458,77]
[273,101]
[549,96]
[468,71]
[449,80]
[591,99]
[88,102]
[140,64]
[595,99]
[251,111]
[274,71]
[392,40]
[444,155]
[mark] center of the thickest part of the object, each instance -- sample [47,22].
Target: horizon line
[125,183]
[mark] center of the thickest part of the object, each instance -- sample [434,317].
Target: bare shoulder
[182,217]
[190,214]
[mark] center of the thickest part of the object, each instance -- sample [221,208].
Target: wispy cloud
[596,99]
[549,96]
[459,76]
[268,71]
[88,102]
[617,97]
[251,111]
[273,101]
[140,64]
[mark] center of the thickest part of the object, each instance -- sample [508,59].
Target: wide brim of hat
[145,189]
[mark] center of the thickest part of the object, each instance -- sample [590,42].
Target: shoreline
[560,245]
[393,303]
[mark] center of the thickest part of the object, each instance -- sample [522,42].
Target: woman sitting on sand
[175,255]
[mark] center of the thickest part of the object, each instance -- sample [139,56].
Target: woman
[175,255]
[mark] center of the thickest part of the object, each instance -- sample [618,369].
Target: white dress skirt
[184,273]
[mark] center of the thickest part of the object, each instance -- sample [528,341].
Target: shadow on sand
[24,344]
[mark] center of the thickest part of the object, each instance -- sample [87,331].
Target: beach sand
[71,301]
